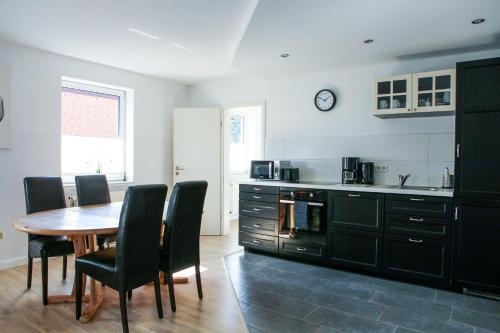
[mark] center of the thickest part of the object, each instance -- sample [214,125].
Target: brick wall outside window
[89,114]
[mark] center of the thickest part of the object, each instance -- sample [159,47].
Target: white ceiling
[230,36]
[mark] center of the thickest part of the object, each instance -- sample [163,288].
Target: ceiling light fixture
[478,21]
[284,55]
[143,33]
[368,41]
[180,47]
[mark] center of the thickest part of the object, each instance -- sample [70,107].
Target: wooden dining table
[80,225]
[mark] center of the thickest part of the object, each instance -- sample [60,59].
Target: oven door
[262,170]
[301,217]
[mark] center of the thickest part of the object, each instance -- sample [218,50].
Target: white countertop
[352,187]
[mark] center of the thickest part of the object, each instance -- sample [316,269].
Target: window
[236,129]
[93,131]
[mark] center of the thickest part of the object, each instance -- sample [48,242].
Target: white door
[198,156]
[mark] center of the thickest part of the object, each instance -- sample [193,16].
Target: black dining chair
[41,194]
[94,190]
[181,238]
[134,260]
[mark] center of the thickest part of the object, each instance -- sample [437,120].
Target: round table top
[99,219]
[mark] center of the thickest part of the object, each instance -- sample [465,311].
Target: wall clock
[325,100]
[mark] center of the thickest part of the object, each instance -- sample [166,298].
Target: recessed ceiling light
[143,33]
[180,47]
[478,21]
[368,41]
[284,55]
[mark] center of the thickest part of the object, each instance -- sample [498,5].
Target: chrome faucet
[402,180]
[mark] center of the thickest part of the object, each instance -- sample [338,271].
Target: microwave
[267,169]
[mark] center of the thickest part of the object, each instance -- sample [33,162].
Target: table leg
[96,295]
[80,249]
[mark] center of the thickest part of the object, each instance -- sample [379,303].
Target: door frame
[225,224]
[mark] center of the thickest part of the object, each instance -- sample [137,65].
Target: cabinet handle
[417,199]
[256,241]
[456,213]
[252,242]
[415,240]
[257,209]
[354,195]
[257,197]
[458,150]
[257,225]
[246,211]
[301,248]
[257,188]
[416,220]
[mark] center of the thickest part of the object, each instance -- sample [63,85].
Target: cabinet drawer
[263,197]
[259,242]
[421,226]
[419,205]
[258,226]
[414,257]
[266,210]
[356,210]
[355,248]
[259,189]
[301,249]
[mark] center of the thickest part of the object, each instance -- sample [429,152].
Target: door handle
[415,240]
[354,195]
[416,220]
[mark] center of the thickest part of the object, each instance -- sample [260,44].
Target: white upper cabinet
[414,95]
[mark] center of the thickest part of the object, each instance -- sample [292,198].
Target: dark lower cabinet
[258,242]
[417,258]
[356,210]
[299,248]
[354,248]
[258,226]
[476,253]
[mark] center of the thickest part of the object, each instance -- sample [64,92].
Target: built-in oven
[302,213]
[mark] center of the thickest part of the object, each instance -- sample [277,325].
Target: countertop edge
[355,188]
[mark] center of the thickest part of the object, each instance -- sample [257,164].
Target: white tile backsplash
[424,156]
[302,148]
[441,147]
[401,147]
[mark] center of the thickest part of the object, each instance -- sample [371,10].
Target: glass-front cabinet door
[392,95]
[434,91]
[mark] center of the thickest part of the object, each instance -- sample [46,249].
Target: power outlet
[381,168]
[1,234]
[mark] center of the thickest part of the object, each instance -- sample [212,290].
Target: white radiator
[72,200]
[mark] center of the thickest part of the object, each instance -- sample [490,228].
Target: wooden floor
[21,310]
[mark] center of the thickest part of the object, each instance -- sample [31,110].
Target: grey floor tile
[405,330]
[347,323]
[346,304]
[244,267]
[475,318]
[325,329]
[423,322]
[411,304]
[482,330]
[346,288]
[285,305]
[243,305]
[468,302]
[272,322]
[289,266]
[255,330]
[403,289]
[249,257]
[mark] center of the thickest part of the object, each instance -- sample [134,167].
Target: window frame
[69,178]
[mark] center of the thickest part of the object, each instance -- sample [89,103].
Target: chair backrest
[43,193]
[92,190]
[138,238]
[181,240]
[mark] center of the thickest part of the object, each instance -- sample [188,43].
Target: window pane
[236,129]
[91,141]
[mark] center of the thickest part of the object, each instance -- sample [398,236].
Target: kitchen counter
[353,187]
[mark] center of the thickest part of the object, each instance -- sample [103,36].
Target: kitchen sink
[421,188]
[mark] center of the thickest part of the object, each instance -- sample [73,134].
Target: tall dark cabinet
[476,245]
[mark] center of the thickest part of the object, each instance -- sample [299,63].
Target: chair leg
[159,306]
[170,281]
[30,271]
[45,276]
[123,309]
[165,280]
[129,294]
[198,281]
[79,294]
[65,267]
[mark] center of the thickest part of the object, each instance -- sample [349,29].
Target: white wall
[315,141]
[36,127]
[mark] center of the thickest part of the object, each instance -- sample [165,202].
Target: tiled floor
[278,295]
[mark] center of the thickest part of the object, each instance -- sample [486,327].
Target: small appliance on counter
[267,170]
[367,169]
[289,175]
[350,170]
[447,178]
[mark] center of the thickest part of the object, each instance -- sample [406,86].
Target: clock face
[325,100]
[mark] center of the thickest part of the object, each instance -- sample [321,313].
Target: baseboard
[9,263]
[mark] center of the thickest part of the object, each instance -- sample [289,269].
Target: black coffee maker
[350,170]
